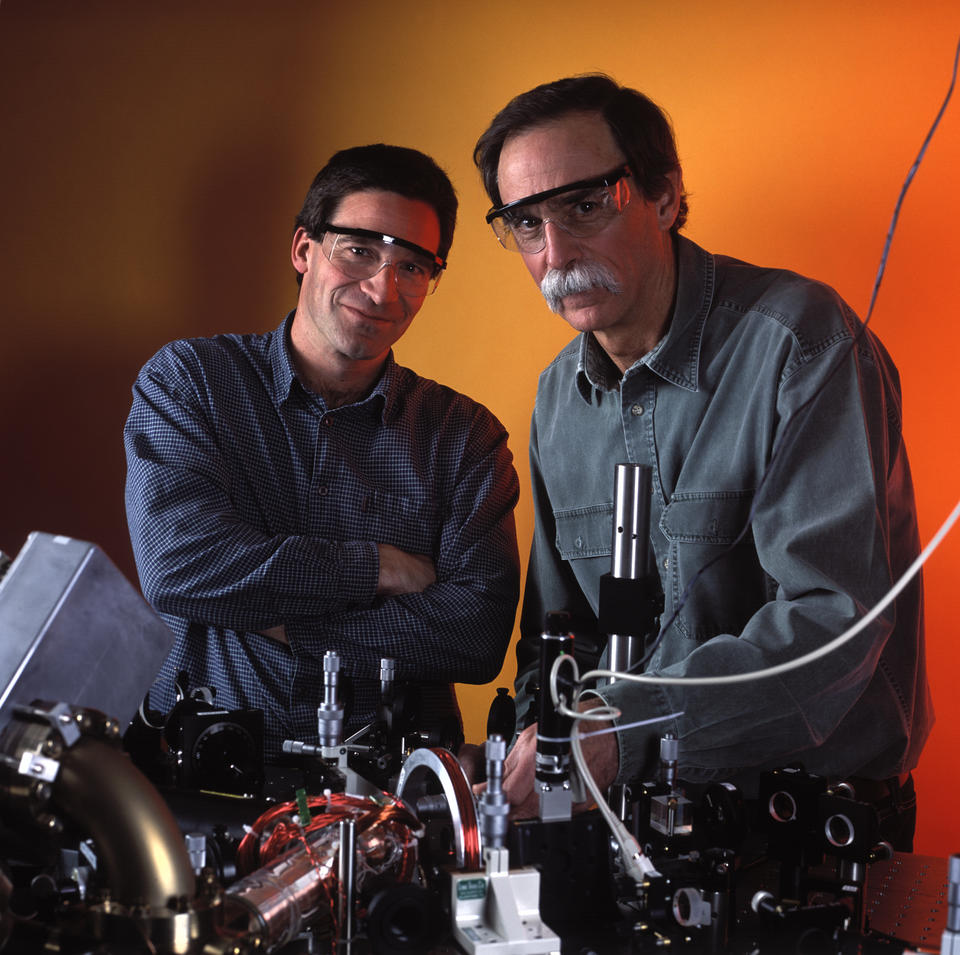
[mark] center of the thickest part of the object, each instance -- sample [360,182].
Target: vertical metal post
[330,713]
[553,730]
[346,874]
[630,551]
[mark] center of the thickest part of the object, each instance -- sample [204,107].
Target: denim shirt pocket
[584,531]
[698,528]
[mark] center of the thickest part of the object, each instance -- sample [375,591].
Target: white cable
[635,863]
[598,714]
[827,648]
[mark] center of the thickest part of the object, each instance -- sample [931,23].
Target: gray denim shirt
[758,371]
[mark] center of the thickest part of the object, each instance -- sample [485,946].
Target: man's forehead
[568,149]
[390,213]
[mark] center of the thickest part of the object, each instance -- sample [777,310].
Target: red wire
[466,807]
[277,828]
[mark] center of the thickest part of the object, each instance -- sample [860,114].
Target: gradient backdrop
[153,156]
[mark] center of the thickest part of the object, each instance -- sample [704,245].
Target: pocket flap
[585,531]
[709,518]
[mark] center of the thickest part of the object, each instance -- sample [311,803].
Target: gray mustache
[580,277]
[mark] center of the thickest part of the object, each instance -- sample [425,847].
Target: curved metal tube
[140,847]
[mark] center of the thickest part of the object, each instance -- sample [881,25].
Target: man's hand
[518,779]
[403,573]
[277,633]
[473,760]
[602,754]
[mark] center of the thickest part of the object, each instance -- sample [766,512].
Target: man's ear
[668,204]
[299,249]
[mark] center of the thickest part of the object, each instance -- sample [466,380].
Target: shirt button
[636,411]
[666,563]
[328,421]
[322,489]
[579,542]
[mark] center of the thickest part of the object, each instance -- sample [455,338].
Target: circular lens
[839,831]
[782,807]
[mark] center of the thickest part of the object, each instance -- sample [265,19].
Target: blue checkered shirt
[252,505]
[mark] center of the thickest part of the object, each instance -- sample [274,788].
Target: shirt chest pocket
[699,529]
[412,524]
[715,518]
[584,531]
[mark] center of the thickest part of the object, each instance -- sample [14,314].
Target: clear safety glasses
[361,254]
[581,208]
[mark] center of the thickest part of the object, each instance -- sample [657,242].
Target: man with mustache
[762,406]
[298,492]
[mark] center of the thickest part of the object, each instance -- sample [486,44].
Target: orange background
[153,156]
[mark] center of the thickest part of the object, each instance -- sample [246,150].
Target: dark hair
[640,128]
[407,172]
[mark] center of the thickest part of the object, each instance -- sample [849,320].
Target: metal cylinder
[494,808]
[629,552]
[346,865]
[300,888]
[388,673]
[553,730]
[669,758]
[624,650]
[630,549]
[330,713]
[331,667]
[196,843]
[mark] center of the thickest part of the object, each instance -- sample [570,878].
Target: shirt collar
[380,401]
[677,357]
[383,399]
[280,362]
[595,369]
